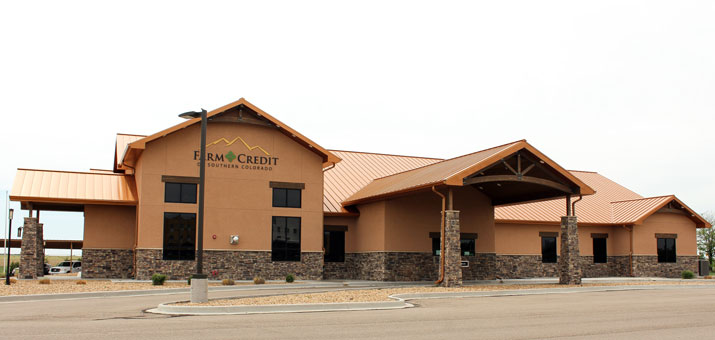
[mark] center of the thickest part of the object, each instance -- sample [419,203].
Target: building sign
[235,159]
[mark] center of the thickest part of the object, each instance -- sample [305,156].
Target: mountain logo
[238,138]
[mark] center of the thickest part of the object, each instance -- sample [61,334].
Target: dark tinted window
[334,245]
[286,198]
[467,245]
[600,254]
[666,250]
[286,239]
[436,246]
[179,236]
[180,193]
[548,249]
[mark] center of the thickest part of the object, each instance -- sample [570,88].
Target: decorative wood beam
[516,178]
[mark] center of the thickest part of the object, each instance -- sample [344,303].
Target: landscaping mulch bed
[33,287]
[377,295]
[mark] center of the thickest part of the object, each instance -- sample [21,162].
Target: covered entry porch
[454,200]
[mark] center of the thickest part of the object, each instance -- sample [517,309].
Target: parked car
[64,267]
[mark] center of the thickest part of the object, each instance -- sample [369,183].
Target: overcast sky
[624,88]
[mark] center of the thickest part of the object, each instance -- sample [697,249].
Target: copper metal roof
[357,169]
[134,148]
[73,187]
[591,209]
[450,172]
[612,204]
[123,140]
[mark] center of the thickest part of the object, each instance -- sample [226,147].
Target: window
[666,250]
[548,249]
[467,243]
[334,244]
[180,192]
[179,236]
[600,254]
[286,198]
[468,246]
[286,239]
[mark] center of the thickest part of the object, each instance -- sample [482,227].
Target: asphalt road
[646,314]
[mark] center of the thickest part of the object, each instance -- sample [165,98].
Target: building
[278,203]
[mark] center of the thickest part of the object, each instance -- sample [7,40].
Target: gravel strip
[382,294]
[33,287]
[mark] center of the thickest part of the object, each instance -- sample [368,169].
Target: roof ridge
[73,172]
[385,154]
[643,198]
[449,159]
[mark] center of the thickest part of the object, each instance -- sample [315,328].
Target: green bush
[188,281]
[686,274]
[290,278]
[14,265]
[158,279]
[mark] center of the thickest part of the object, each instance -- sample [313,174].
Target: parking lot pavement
[633,314]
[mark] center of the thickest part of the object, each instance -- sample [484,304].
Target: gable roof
[120,148]
[357,169]
[451,172]
[638,210]
[135,148]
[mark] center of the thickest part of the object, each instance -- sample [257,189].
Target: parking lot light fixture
[199,281]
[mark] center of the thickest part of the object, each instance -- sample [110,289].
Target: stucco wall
[109,227]
[238,201]
[645,242]
[410,219]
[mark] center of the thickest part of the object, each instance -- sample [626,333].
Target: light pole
[199,281]
[9,237]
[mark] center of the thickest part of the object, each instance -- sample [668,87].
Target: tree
[706,238]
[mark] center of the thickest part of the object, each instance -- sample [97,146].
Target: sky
[624,88]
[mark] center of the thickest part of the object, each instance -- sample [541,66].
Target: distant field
[52,260]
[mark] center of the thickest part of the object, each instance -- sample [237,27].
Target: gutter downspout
[329,167]
[441,249]
[573,205]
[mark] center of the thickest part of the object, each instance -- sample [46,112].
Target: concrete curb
[400,303]
[272,309]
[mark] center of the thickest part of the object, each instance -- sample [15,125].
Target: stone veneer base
[237,265]
[404,266]
[107,263]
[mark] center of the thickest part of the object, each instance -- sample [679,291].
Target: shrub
[13,265]
[258,280]
[686,274]
[188,281]
[228,282]
[81,282]
[44,281]
[290,278]
[158,279]
[13,280]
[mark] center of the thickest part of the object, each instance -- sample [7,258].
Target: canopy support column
[452,250]
[32,250]
[569,267]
